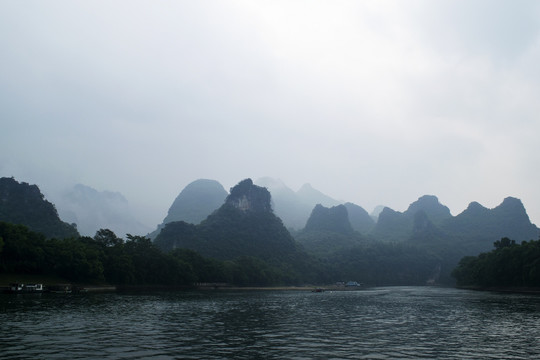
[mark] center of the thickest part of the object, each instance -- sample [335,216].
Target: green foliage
[23,250]
[504,242]
[21,203]
[73,260]
[392,226]
[334,219]
[105,258]
[107,238]
[230,233]
[508,265]
[379,263]
[323,243]
[202,270]
[136,261]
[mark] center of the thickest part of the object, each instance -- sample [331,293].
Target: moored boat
[20,288]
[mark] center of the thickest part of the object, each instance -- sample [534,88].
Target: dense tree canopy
[106,258]
[508,265]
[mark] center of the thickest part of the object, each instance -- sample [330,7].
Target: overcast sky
[373,102]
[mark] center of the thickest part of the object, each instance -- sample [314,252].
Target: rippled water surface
[381,323]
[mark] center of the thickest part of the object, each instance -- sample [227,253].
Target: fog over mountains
[420,245]
[294,208]
[92,210]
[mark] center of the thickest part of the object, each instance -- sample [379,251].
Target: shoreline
[501,289]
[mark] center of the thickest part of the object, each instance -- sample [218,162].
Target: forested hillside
[244,227]
[21,203]
[243,242]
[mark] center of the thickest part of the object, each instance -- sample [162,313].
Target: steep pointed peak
[511,202]
[306,187]
[307,190]
[475,205]
[319,207]
[430,204]
[388,211]
[249,197]
[428,199]
[309,194]
[514,206]
[356,209]
[474,208]
[351,205]
[333,219]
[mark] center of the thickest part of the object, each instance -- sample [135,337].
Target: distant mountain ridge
[476,223]
[334,219]
[432,238]
[294,207]
[93,210]
[481,225]
[24,204]
[420,245]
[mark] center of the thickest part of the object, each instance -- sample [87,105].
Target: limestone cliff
[249,197]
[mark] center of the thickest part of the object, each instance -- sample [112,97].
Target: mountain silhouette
[244,225]
[194,203]
[24,204]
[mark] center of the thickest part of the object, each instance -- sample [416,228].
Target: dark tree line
[106,258]
[508,265]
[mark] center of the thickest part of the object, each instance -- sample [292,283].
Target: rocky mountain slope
[244,225]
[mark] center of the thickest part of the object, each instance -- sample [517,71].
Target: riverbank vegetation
[508,265]
[108,259]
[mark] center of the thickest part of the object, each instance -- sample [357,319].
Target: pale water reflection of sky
[374,102]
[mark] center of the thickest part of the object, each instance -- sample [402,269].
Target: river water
[379,323]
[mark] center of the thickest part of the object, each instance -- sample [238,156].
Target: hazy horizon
[151,222]
[372,102]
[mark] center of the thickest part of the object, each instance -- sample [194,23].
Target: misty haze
[277,180]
